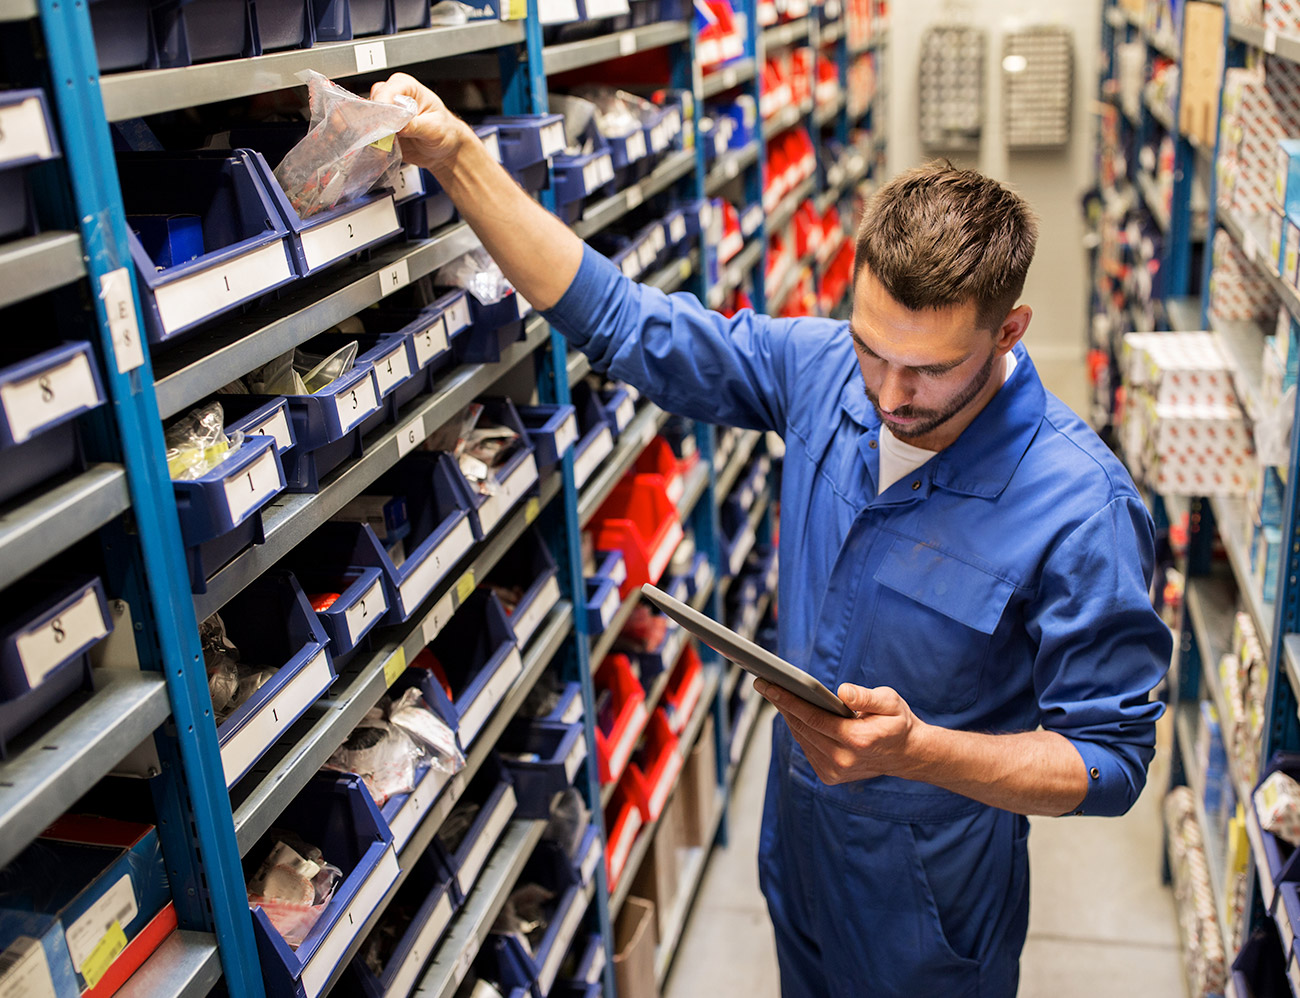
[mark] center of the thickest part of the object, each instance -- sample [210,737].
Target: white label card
[437,618]
[362,615]
[37,401]
[253,486]
[431,341]
[626,44]
[435,565]
[566,436]
[635,151]
[392,369]
[411,436]
[418,955]
[417,806]
[609,607]
[589,460]
[330,241]
[356,403]
[631,266]
[477,713]
[24,971]
[634,197]
[44,649]
[1270,40]
[394,278]
[677,229]
[189,299]
[526,624]
[117,904]
[588,867]
[486,841]
[619,573]
[275,714]
[552,138]
[493,145]
[560,945]
[23,134]
[410,182]
[574,759]
[277,427]
[624,413]
[119,307]
[456,316]
[349,923]
[371,56]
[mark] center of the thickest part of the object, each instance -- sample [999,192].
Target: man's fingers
[814,718]
[864,700]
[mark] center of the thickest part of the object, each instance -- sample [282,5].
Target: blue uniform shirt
[1001,586]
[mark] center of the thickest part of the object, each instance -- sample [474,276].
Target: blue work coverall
[1000,587]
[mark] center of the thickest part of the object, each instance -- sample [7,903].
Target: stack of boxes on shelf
[1204,959]
[1261,106]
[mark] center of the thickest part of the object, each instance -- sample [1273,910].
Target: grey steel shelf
[674,166]
[696,482]
[790,204]
[209,360]
[1162,115]
[604,642]
[823,114]
[1251,234]
[648,421]
[150,91]
[57,767]
[578,365]
[692,876]
[736,463]
[731,75]
[32,266]
[18,10]
[1229,518]
[729,166]
[186,965]
[1153,201]
[733,274]
[673,276]
[278,776]
[40,528]
[589,51]
[785,34]
[469,929]
[786,118]
[1287,46]
[541,650]
[1186,721]
[291,520]
[1184,314]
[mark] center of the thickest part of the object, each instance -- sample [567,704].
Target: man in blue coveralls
[962,560]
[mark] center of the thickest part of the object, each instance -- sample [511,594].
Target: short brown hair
[936,236]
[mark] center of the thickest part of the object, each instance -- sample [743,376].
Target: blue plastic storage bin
[30,138]
[1259,969]
[343,20]
[284,24]
[433,329]
[655,660]
[700,576]
[552,430]
[492,328]
[568,708]
[527,142]
[494,795]
[619,406]
[480,659]
[124,36]
[736,538]
[247,250]
[596,436]
[360,603]
[602,603]
[272,625]
[516,471]
[543,759]
[221,511]
[40,399]
[430,208]
[437,510]
[190,31]
[260,416]
[391,356]
[529,569]
[537,971]
[45,642]
[580,177]
[426,893]
[337,815]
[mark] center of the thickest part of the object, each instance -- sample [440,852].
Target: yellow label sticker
[465,586]
[531,509]
[385,144]
[395,666]
[95,966]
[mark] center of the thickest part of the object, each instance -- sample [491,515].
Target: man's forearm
[537,252]
[1032,772]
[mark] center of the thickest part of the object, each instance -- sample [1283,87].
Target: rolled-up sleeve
[1102,649]
[684,357]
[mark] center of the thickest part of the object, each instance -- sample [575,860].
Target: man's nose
[894,390]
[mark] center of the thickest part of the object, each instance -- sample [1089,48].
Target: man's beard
[930,419]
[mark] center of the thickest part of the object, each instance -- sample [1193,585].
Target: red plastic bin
[661,763]
[614,750]
[624,818]
[640,520]
[685,687]
[658,459]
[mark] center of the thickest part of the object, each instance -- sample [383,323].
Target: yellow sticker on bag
[465,586]
[95,966]
[531,509]
[385,144]
[395,666]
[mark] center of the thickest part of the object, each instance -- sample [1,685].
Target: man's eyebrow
[923,369]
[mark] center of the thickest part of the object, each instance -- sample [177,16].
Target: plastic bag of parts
[475,987]
[293,885]
[569,821]
[390,743]
[526,915]
[579,117]
[230,683]
[351,146]
[297,372]
[478,274]
[197,443]
[617,112]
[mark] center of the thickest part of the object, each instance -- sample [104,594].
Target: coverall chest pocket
[934,624]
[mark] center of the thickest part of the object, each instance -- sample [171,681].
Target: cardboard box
[34,957]
[659,878]
[1202,71]
[634,949]
[699,789]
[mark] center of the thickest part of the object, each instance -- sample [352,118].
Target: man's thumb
[859,699]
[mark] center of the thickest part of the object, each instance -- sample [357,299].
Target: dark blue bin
[221,511]
[529,569]
[427,207]
[361,599]
[552,430]
[494,795]
[327,427]
[543,759]
[516,472]
[247,246]
[336,814]
[1259,969]
[284,24]
[527,142]
[40,399]
[343,20]
[568,708]
[124,34]
[578,178]
[190,31]
[596,436]
[602,603]
[260,416]
[480,659]
[45,643]
[272,625]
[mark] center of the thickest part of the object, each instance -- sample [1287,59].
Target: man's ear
[1013,327]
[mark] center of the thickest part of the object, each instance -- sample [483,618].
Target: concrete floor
[1101,923]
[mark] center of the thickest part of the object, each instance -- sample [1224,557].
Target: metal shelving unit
[589,51]
[731,76]
[37,264]
[601,214]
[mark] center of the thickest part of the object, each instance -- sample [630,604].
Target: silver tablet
[756,660]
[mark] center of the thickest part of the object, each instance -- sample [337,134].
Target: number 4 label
[119,305]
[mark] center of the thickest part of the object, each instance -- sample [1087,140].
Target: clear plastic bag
[618,113]
[301,373]
[351,146]
[478,274]
[526,915]
[197,443]
[293,886]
